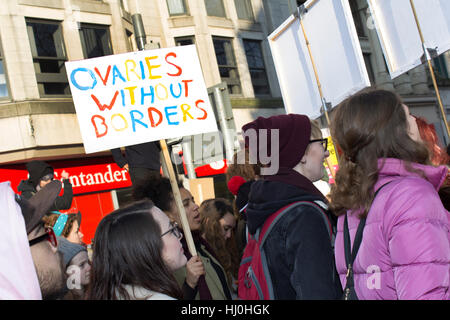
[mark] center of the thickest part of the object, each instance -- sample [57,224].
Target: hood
[267,197]
[390,168]
[37,169]
[18,278]
[26,185]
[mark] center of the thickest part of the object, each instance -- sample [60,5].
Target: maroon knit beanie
[294,137]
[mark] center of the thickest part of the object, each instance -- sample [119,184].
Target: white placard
[336,52]
[138,97]
[398,33]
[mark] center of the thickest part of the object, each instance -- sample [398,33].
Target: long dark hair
[211,211]
[128,251]
[368,126]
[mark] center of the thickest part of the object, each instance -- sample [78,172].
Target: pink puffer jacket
[405,251]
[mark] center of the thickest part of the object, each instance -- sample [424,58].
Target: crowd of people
[383,232]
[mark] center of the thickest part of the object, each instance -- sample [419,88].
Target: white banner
[336,52]
[398,33]
[138,97]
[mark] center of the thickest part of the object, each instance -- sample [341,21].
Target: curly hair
[369,126]
[50,220]
[246,170]
[429,136]
[211,211]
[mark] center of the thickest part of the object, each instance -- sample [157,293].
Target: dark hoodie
[298,249]
[36,170]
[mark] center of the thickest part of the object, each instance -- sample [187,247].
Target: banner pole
[430,67]
[316,74]
[177,198]
[141,41]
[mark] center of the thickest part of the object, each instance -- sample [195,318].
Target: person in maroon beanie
[298,248]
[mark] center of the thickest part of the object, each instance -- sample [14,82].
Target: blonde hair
[316,133]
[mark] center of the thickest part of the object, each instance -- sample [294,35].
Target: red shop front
[99,186]
[94,181]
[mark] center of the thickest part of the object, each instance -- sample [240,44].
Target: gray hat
[69,250]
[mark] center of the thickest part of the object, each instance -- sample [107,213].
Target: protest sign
[331,53]
[399,37]
[138,97]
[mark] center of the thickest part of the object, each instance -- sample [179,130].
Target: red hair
[438,156]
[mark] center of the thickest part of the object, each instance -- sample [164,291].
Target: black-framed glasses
[174,230]
[324,143]
[48,235]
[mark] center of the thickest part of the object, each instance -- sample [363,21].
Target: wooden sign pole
[177,197]
[430,66]
[319,85]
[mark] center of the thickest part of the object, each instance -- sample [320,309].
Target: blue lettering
[134,120]
[168,114]
[75,83]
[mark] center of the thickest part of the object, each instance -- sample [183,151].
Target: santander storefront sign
[97,178]
[85,176]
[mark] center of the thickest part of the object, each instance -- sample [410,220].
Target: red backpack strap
[262,233]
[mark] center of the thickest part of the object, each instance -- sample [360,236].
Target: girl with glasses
[298,255]
[136,250]
[203,278]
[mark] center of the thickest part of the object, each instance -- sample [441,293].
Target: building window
[177,7]
[244,9]
[95,41]
[131,44]
[256,66]
[369,67]
[440,65]
[47,48]
[227,64]
[4,92]
[184,41]
[356,13]
[215,8]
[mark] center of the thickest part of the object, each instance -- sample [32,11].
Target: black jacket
[298,249]
[144,155]
[63,202]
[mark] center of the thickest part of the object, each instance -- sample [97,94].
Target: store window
[95,40]
[256,66]
[227,64]
[215,8]
[49,56]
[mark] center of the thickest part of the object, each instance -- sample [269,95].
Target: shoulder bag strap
[350,256]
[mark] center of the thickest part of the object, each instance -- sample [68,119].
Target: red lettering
[99,135]
[150,116]
[172,54]
[104,106]
[204,111]
[186,86]
[106,76]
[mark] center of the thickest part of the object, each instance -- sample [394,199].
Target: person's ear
[303,161]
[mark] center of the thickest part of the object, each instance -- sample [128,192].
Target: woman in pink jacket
[405,247]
